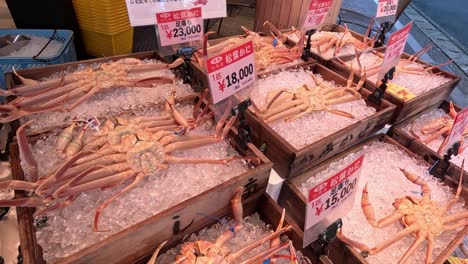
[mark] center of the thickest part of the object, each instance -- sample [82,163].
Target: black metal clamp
[186,71]
[384,28]
[452,151]
[306,53]
[243,127]
[326,236]
[378,94]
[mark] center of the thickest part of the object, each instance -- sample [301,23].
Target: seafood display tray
[334,28]
[399,134]
[295,202]
[200,77]
[139,240]
[269,212]
[42,72]
[407,109]
[289,161]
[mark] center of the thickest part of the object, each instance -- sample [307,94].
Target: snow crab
[65,93]
[440,127]
[130,149]
[289,106]
[209,252]
[269,50]
[420,217]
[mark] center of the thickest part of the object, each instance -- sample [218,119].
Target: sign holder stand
[306,52]
[326,236]
[243,127]
[378,94]
[452,151]
[384,28]
[186,71]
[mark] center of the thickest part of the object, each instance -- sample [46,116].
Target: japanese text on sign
[231,71]
[399,91]
[318,11]
[332,193]
[395,47]
[180,26]
[458,129]
[141,12]
[386,10]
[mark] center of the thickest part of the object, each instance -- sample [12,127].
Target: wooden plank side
[303,13]
[333,13]
[275,15]
[268,14]
[260,8]
[295,12]
[285,13]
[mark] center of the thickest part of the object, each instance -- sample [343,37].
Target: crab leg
[137,179]
[419,239]
[154,67]
[33,89]
[266,254]
[18,185]
[276,241]
[23,202]
[56,206]
[455,199]
[155,254]
[426,191]
[292,111]
[283,107]
[26,152]
[368,211]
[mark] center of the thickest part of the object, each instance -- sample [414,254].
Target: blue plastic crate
[67,52]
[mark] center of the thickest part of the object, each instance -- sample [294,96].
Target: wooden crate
[281,13]
[46,71]
[429,155]
[143,236]
[200,76]
[407,109]
[290,162]
[270,213]
[295,202]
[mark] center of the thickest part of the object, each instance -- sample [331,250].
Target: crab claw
[452,112]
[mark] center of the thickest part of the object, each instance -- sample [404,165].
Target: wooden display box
[139,240]
[336,28]
[292,199]
[38,73]
[270,213]
[289,161]
[407,109]
[200,76]
[429,155]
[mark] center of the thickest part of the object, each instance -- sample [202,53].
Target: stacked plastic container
[105,27]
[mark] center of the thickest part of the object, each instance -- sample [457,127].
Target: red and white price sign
[387,8]
[180,26]
[318,11]
[330,194]
[458,129]
[231,71]
[395,47]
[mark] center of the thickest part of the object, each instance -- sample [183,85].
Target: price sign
[180,26]
[141,12]
[395,47]
[231,71]
[386,10]
[330,195]
[458,129]
[399,91]
[318,11]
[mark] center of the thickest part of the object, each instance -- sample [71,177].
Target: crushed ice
[35,45]
[385,183]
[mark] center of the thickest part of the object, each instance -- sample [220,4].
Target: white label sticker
[231,71]
[180,26]
[141,12]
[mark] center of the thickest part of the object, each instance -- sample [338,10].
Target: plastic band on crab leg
[138,178]
[426,191]
[153,258]
[368,211]
[26,152]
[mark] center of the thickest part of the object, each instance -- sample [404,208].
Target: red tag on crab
[180,26]
[231,71]
[318,11]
